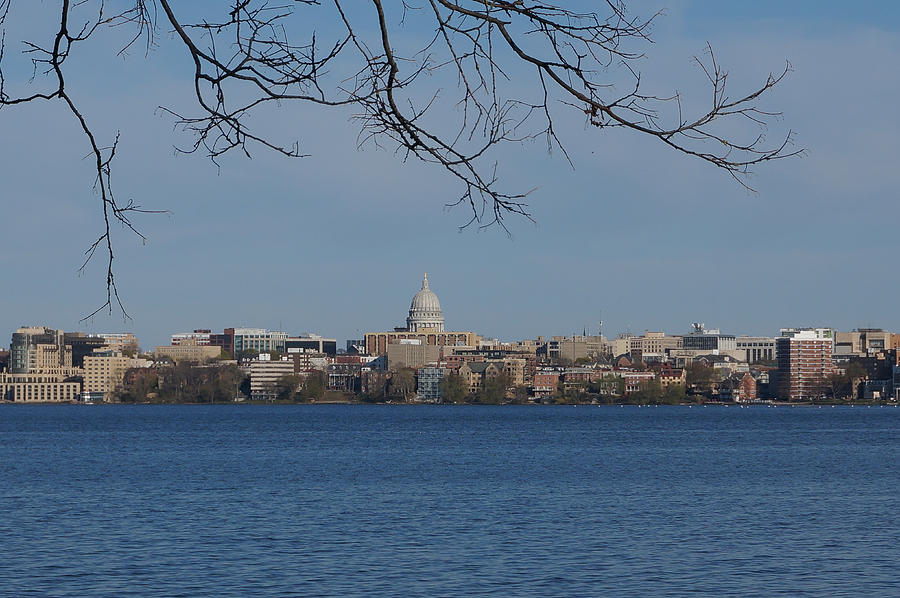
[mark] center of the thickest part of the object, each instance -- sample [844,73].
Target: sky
[336,243]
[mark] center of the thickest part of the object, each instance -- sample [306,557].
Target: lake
[360,500]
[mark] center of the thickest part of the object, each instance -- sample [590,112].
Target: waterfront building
[428,382]
[545,382]
[671,377]
[37,387]
[104,373]
[40,367]
[804,363]
[634,381]
[345,372]
[476,373]
[264,375]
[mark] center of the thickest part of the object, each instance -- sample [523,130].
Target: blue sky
[337,243]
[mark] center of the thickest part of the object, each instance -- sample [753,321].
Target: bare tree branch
[474,62]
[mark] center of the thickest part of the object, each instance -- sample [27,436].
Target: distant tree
[313,386]
[143,384]
[838,386]
[700,376]
[493,392]
[287,387]
[403,384]
[674,394]
[453,388]
[608,385]
[520,394]
[650,391]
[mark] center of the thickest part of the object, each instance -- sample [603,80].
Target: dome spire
[425,281]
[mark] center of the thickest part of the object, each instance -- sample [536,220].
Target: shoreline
[424,404]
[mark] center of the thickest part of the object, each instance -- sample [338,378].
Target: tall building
[804,363]
[40,367]
[37,348]
[83,345]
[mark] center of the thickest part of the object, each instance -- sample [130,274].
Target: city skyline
[334,243]
[164,335]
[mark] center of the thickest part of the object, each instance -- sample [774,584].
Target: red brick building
[804,363]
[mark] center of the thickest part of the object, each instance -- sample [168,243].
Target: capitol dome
[425,310]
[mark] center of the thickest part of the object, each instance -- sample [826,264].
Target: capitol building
[425,310]
[424,323]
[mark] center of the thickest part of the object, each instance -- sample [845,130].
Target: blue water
[448,501]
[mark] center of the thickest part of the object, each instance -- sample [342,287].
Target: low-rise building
[104,373]
[653,346]
[671,377]
[475,374]
[264,375]
[187,350]
[756,348]
[38,387]
[634,381]
[545,383]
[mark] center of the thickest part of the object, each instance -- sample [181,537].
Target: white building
[425,310]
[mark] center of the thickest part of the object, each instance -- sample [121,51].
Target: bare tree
[477,58]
